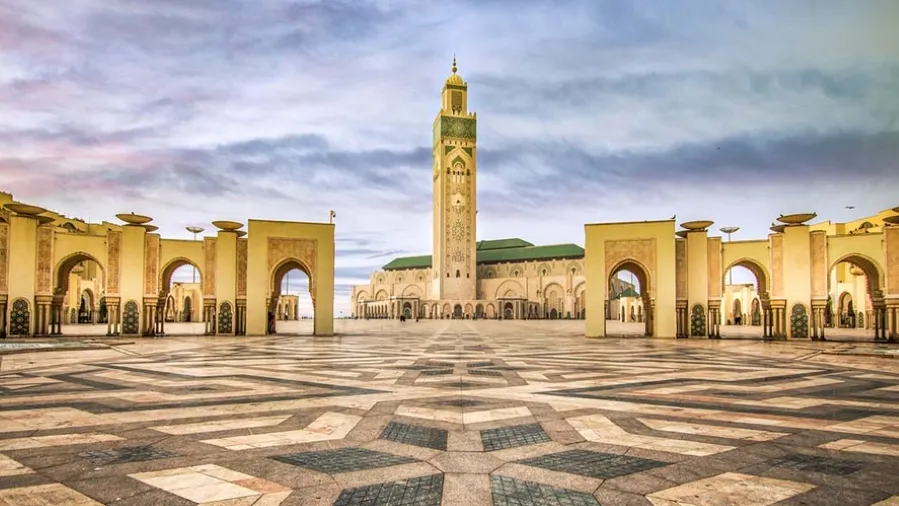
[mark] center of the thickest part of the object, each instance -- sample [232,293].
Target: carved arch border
[173,264]
[505,285]
[868,265]
[762,274]
[65,265]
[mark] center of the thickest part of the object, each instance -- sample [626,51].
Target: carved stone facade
[151,265]
[44,260]
[680,265]
[113,269]
[241,268]
[302,250]
[209,244]
[639,250]
[4,257]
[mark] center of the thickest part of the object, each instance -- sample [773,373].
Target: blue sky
[196,110]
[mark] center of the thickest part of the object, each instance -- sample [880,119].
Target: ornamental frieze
[458,128]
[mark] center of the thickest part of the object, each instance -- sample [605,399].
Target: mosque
[466,278]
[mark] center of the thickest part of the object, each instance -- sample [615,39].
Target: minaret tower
[455,195]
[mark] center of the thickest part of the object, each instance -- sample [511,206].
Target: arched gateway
[797,277]
[131,286]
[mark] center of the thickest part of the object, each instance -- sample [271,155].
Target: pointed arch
[507,286]
[762,276]
[67,263]
[165,274]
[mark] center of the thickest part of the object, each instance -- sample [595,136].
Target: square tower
[455,195]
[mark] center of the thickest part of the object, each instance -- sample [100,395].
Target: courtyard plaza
[447,412]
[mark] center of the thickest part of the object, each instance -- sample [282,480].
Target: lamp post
[728,231]
[195,231]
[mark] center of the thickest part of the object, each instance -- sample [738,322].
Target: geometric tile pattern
[511,437]
[423,491]
[742,489]
[184,421]
[123,455]
[511,492]
[815,464]
[343,460]
[210,483]
[593,464]
[426,437]
[41,495]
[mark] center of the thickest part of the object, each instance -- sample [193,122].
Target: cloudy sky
[196,110]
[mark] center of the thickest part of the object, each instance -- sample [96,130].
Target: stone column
[894,323]
[813,322]
[3,318]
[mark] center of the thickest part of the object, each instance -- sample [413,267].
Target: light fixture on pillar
[195,231]
[729,231]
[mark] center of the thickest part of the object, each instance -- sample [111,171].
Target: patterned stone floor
[439,413]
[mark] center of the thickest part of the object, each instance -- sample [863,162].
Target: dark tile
[514,436]
[511,492]
[479,364]
[129,454]
[461,403]
[426,437]
[423,491]
[815,464]
[484,372]
[343,460]
[592,464]
[436,372]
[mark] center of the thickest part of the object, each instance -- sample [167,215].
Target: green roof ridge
[489,255]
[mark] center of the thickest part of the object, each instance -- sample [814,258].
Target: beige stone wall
[545,285]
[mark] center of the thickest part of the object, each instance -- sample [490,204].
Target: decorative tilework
[423,491]
[512,492]
[426,437]
[19,318]
[458,127]
[226,318]
[343,460]
[697,321]
[592,464]
[511,437]
[799,322]
[826,423]
[131,318]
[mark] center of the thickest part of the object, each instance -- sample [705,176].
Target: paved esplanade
[449,412]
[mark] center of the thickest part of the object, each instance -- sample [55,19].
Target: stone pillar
[3,317]
[894,322]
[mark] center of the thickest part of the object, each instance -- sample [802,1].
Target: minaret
[455,195]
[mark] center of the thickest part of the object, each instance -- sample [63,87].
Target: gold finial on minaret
[454,64]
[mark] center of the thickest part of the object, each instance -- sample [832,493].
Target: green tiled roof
[627,292]
[503,250]
[530,253]
[502,243]
[419,262]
